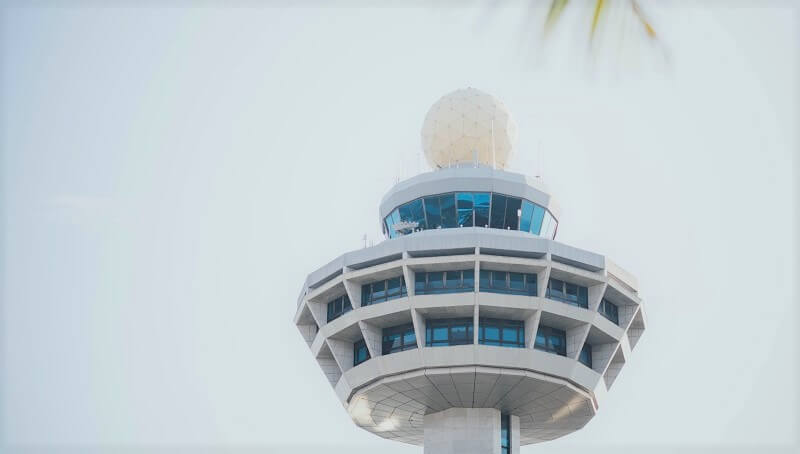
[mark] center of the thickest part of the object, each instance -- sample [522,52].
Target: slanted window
[508,282]
[450,331]
[585,356]
[432,282]
[609,310]
[338,307]
[498,211]
[482,207]
[398,339]
[551,340]
[503,333]
[569,293]
[360,352]
[505,434]
[378,292]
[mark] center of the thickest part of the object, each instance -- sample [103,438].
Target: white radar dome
[466,125]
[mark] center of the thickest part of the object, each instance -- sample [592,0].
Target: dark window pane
[513,204]
[436,280]
[419,281]
[583,296]
[498,211]
[458,333]
[516,281]
[417,214]
[527,212]
[481,208]
[447,204]
[453,279]
[393,287]
[432,212]
[541,340]
[469,279]
[499,279]
[366,291]
[485,282]
[464,205]
[586,355]
[378,291]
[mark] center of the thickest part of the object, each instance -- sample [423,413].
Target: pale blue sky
[171,174]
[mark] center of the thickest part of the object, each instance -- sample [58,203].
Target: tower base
[468,431]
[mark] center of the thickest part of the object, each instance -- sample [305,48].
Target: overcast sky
[171,174]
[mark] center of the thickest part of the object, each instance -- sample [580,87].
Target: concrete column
[466,431]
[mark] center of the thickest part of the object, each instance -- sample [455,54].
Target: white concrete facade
[416,396]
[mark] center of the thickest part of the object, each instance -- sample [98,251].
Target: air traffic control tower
[470,329]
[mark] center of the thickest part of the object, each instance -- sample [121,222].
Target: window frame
[582,292]
[403,330]
[449,323]
[548,332]
[604,311]
[501,325]
[346,306]
[368,298]
[427,286]
[356,347]
[530,283]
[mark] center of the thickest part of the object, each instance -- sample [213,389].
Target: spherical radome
[468,124]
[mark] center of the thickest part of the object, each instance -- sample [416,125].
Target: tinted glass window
[505,333]
[447,204]
[513,205]
[481,208]
[454,331]
[525,220]
[508,283]
[516,281]
[433,212]
[464,205]
[498,211]
[536,219]
[398,338]
[360,352]
[551,340]
[585,356]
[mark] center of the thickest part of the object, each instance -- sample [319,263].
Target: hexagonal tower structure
[470,329]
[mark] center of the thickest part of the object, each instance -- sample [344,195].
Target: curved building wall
[470,196]
[470,317]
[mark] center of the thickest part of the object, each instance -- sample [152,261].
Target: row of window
[444,282]
[381,291]
[508,283]
[472,209]
[459,331]
[338,307]
[434,282]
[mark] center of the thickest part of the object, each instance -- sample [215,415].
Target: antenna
[364,238]
[494,157]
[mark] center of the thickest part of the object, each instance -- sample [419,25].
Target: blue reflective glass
[485,281]
[498,212]
[469,279]
[459,333]
[512,217]
[491,333]
[504,333]
[551,340]
[393,289]
[499,279]
[447,204]
[436,280]
[440,333]
[417,214]
[583,296]
[419,281]
[378,291]
[536,220]
[432,212]
[453,279]
[516,281]
[409,337]
[586,355]
[509,334]
[464,205]
[391,220]
[525,220]
[481,208]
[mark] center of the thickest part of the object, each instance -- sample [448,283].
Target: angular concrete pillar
[467,431]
